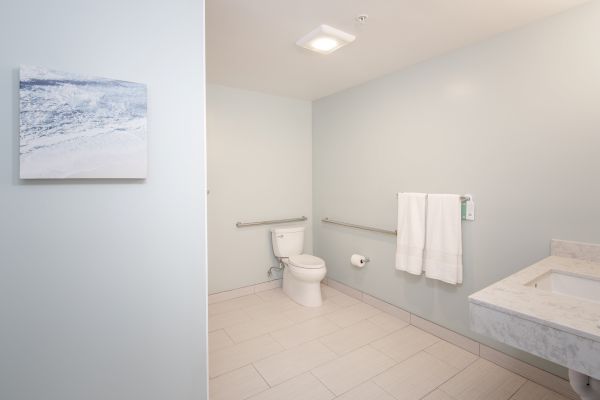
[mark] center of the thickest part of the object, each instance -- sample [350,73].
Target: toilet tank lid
[287,230]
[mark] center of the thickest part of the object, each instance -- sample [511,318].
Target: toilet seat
[306,261]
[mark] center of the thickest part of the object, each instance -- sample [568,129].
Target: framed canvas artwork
[75,126]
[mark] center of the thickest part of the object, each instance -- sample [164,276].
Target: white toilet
[303,273]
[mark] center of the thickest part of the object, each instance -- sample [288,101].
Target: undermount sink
[550,309]
[568,284]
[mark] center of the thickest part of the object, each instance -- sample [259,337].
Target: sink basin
[567,284]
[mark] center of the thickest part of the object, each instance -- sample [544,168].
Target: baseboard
[243,291]
[510,363]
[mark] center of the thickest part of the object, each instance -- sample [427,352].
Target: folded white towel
[411,232]
[443,246]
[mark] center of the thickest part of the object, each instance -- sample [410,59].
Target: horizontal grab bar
[274,221]
[463,199]
[363,227]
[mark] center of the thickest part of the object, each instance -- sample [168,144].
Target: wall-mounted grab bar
[363,227]
[463,198]
[274,221]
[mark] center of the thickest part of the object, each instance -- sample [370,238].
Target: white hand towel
[443,246]
[411,232]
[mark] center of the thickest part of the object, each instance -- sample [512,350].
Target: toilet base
[307,294]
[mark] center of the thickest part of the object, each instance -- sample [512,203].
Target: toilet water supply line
[280,267]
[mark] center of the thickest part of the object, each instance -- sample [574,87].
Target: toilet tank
[287,241]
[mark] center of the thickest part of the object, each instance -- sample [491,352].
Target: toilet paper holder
[359,260]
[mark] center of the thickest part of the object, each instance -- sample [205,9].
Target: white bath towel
[443,246]
[411,232]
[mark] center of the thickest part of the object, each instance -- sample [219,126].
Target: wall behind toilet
[513,120]
[259,168]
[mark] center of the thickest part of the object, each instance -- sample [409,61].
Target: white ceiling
[251,43]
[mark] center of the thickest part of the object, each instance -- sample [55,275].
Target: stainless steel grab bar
[363,227]
[463,198]
[274,221]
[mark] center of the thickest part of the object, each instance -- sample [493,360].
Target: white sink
[568,284]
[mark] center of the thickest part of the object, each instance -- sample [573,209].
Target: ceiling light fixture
[325,39]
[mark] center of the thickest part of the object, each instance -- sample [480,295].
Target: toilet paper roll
[358,261]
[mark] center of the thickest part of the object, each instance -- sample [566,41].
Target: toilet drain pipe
[585,386]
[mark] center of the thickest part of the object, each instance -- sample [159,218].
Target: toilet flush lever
[280,236]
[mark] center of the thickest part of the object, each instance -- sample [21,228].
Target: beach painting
[75,126]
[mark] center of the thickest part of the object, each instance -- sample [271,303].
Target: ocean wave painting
[75,126]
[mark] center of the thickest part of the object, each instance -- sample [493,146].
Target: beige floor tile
[218,340]
[237,385]
[483,380]
[353,314]
[533,391]
[291,363]
[329,292]
[273,295]
[388,321]
[238,303]
[301,314]
[303,387]
[405,343]
[452,354]
[304,332]
[414,378]
[344,300]
[351,370]
[437,395]
[270,308]
[236,356]
[220,321]
[366,391]
[257,327]
[354,336]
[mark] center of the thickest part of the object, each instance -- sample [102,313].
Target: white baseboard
[244,291]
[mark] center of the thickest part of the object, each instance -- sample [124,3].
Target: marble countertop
[512,296]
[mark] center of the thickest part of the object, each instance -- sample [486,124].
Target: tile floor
[264,346]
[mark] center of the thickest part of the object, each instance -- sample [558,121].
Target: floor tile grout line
[324,384]
[448,394]
[301,373]
[519,388]
[263,378]
[363,345]
[245,365]
[412,356]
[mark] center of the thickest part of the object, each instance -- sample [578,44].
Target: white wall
[259,168]
[513,120]
[102,283]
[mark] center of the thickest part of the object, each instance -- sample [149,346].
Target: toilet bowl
[302,273]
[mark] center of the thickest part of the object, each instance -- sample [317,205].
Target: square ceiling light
[325,39]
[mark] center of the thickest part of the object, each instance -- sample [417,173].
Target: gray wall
[513,120]
[102,283]
[259,168]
